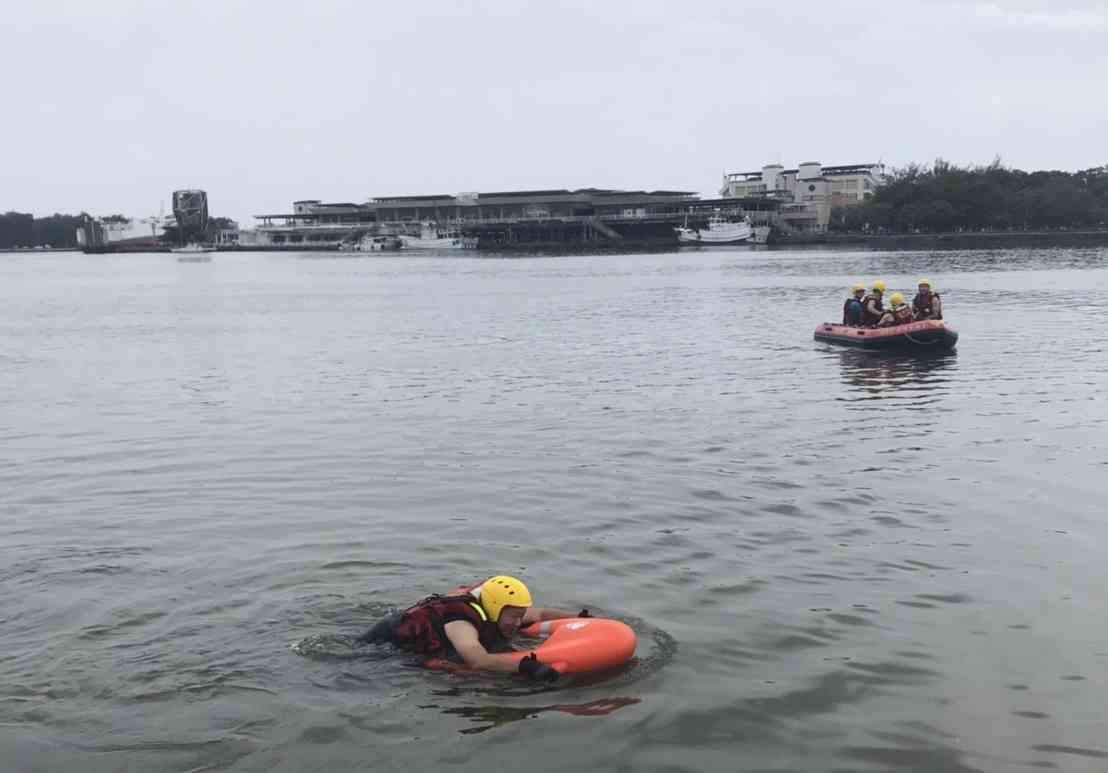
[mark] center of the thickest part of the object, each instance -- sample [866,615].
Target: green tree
[947,197]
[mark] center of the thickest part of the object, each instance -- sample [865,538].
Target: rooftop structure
[808,192]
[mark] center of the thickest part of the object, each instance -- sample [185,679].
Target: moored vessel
[719,231]
[432,237]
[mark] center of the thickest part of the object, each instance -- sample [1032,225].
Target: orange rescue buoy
[573,645]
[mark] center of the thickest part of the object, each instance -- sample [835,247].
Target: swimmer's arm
[538,614]
[464,638]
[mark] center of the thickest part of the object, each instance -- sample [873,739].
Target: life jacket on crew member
[852,312]
[902,315]
[422,628]
[899,314]
[872,306]
[852,307]
[924,308]
[872,309]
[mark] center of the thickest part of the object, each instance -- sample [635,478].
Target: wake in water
[496,716]
[341,647]
[326,646]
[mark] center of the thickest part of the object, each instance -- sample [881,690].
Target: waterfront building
[227,237]
[497,218]
[808,193]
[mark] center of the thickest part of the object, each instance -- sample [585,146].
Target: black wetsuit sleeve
[381,633]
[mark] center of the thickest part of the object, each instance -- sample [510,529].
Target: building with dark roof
[602,210]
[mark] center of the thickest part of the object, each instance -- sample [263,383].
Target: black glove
[584,613]
[534,669]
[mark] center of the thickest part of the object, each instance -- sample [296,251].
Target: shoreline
[957,240]
[975,240]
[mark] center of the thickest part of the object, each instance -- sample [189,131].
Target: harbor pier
[559,219]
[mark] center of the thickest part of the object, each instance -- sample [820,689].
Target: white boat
[719,231]
[431,237]
[192,249]
[373,243]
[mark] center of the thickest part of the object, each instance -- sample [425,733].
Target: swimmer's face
[510,620]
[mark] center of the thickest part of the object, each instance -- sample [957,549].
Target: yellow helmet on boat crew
[897,299]
[925,281]
[503,591]
[858,289]
[879,286]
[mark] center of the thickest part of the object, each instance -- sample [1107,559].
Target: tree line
[21,229]
[944,197]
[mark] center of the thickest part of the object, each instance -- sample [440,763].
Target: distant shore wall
[962,240]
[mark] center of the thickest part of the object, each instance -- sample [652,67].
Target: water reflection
[496,716]
[882,375]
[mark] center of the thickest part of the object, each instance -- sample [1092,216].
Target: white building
[809,192]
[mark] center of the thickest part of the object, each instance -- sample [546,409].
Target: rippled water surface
[835,560]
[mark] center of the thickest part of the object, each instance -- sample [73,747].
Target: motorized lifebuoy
[572,645]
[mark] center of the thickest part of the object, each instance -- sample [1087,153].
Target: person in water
[852,308]
[898,313]
[873,306]
[926,304]
[474,624]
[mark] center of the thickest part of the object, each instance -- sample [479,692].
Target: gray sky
[110,105]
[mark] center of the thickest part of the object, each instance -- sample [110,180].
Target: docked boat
[431,237]
[927,334]
[373,243]
[719,231]
[193,249]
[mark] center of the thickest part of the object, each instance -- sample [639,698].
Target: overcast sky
[109,106]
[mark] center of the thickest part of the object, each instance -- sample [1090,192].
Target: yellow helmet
[858,289]
[503,591]
[879,286]
[925,281]
[897,299]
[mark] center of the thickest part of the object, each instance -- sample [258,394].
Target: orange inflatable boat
[922,335]
[573,645]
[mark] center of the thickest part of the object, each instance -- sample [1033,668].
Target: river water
[213,474]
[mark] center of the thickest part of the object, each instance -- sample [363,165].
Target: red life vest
[902,315]
[422,628]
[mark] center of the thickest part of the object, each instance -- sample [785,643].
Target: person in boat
[873,306]
[927,304]
[898,313]
[852,308]
[471,624]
